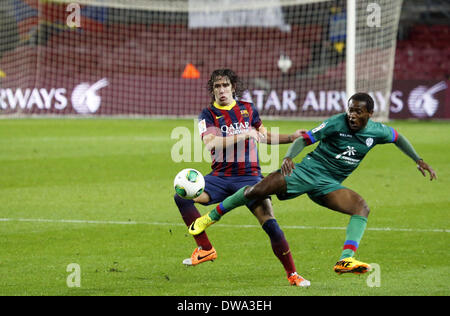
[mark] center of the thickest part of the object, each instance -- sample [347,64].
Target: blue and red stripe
[251,147]
[394,135]
[215,165]
[309,138]
[227,159]
[249,109]
[241,155]
[221,209]
[351,244]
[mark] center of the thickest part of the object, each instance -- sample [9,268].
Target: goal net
[297,58]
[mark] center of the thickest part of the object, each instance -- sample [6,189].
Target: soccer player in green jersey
[344,139]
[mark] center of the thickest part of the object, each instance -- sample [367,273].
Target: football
[189,183]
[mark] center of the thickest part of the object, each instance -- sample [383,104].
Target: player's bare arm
[212,141]
[274,139]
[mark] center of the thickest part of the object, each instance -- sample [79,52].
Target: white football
[189,183]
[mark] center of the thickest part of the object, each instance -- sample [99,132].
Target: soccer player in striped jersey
[230,129]
[345,139]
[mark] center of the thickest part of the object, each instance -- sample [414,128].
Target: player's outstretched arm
[404,145]
[274,139]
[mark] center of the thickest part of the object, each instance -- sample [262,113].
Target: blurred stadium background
[152,58]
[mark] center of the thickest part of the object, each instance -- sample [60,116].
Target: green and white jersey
[341,150]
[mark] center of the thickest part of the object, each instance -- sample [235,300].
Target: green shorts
[310,177]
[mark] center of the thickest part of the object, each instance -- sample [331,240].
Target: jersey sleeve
[322,131]
[386,135]
[256,120]
[206,124]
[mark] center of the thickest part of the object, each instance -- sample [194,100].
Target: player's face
[223,91]
[357,115]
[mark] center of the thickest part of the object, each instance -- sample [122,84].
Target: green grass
[114,172]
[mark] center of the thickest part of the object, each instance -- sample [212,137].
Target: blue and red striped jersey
[239,159]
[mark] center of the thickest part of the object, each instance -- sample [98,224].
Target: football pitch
[86,208]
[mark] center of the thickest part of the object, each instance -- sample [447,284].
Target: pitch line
[75,221]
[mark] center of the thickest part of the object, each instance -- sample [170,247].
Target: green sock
[231,202]
[355,231]
[214,215]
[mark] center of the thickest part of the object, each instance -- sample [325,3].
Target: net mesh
[140,57]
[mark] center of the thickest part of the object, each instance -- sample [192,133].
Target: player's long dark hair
[235,81]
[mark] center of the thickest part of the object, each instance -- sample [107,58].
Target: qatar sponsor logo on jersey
[421,101]
[235,128]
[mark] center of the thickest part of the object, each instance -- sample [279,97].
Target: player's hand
[287,166]
[254,134]
[262,137]
[298,133]
[422,166]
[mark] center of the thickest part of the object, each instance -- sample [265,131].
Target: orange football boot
[199,255]
[297,280]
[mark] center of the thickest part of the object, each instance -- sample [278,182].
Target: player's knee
[263,218]
[263,210]
[364,209]
[254,192]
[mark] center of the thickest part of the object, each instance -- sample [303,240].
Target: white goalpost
[350,48]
